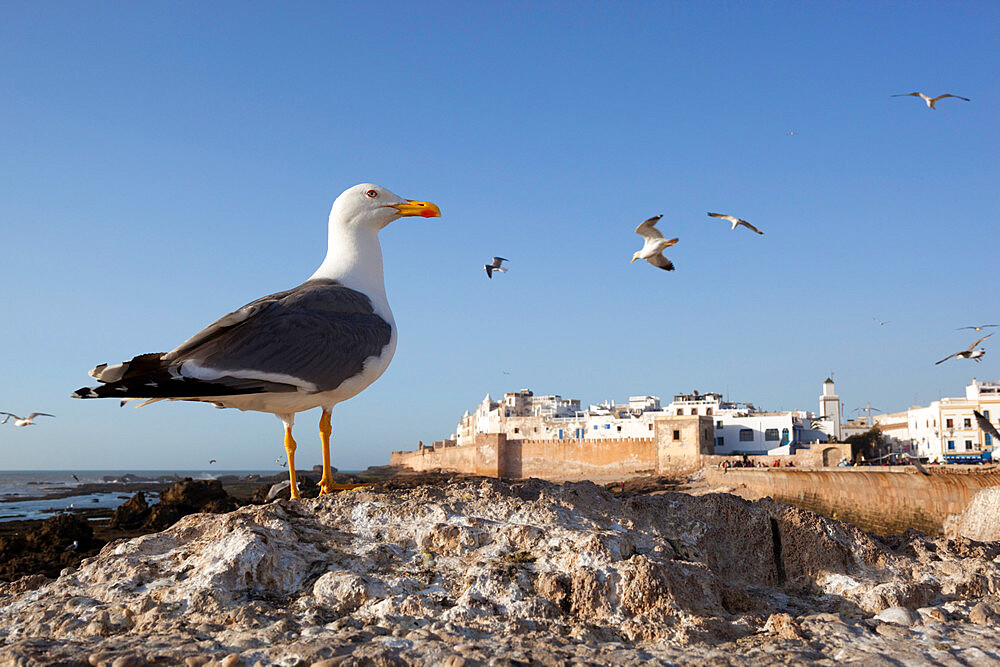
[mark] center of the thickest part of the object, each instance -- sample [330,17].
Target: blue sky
[161,165]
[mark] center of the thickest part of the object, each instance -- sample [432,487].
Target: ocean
[18,485]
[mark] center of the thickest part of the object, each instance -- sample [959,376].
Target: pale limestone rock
[533,571]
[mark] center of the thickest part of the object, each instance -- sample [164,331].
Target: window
[951,444]
[694,411]
[720,441]
[677,435]
[718,424]
[784,436]
[986,413]
[650,427]
[619,429]
[771,434]
[746,435]
[607,426]
[967,422]
[595,427]
[517,430]
[949,423]
[680,412]
[968,445]
[708,411]
[707,435]
[989,439]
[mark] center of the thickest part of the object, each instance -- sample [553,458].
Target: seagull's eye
[372,194]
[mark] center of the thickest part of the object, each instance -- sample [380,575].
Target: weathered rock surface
[981,518]
[481,571]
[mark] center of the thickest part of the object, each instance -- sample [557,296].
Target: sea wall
[885,500]
[573,459]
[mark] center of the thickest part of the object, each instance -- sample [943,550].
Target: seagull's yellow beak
[424,209]
[633,259]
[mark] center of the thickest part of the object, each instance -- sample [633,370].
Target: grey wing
[660,261]
[723,216]
[750,227]
[973,346]
[648,230]
[907,95]
[985,425]
[946,358]
[313,337]
[497,260]
[941,97]
[39,414]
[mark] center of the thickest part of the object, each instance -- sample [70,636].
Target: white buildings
[739,427]
[946,430]
[829,410]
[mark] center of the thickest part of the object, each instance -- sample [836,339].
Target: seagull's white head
[371,206]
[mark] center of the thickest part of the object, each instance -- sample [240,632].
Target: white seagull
[653,245]
[736,222]
[495,266]
[312,346]
[979,328]
[969,353]
[931,101]
[23,421]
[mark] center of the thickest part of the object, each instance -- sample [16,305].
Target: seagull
[969,353]
[653,245]
[985,426]
[495,266]
[736,222]
[881,323]
[792,133]
[979,328]
[312,346]
[74,477]
[23,421]
[73,547]
[931,101]
[211,462]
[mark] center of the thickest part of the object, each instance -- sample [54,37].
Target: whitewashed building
[946,430]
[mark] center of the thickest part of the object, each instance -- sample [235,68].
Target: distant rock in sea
[532,572]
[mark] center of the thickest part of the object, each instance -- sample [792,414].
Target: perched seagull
[495,266]
[979,328]
[969,353]
[985,426]
[73,547]
[312,346]
[736,222]
[653,245]
[23,421]
[931,101]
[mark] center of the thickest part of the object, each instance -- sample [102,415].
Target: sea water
[16,486]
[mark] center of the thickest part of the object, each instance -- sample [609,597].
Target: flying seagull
[969,353]
[979,328]
[881,323]
[495,266]
[931,101]
[211,462]
[653,245]
[985,426]
[311,346]
[736,222]
[23,421]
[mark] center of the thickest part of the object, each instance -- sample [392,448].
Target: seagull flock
[326,340]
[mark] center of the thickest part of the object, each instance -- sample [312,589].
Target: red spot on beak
[427,213]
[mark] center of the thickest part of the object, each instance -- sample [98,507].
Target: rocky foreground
[481,572]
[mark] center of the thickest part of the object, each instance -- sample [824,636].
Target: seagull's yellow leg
[326,481]
[290,451]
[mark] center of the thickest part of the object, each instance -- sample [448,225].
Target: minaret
[829,406]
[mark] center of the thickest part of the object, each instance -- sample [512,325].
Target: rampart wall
[584,458]
[884,500]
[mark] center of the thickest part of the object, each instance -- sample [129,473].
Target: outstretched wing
[648,230]
[907,95]
[985,425]
[310,338]
[750,227]
[39,414]
[941,97]
[498,260]
[660,261]
[973,346]
[947,358]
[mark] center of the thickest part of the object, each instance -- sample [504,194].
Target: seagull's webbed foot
[290,451]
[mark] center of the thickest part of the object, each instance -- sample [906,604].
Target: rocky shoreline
[478,571]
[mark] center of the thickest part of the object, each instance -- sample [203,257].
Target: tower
[829,406]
